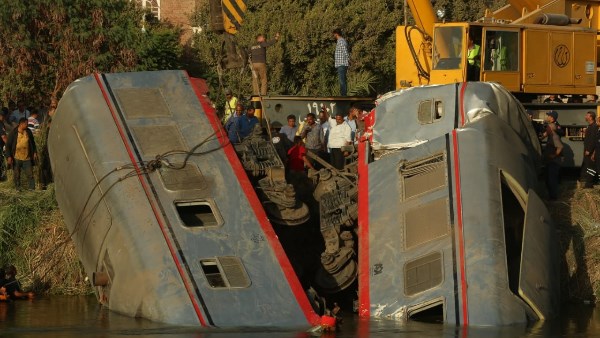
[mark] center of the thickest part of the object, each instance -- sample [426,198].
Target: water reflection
[82,316]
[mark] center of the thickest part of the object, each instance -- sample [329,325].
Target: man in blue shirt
[247,123]
[342,60]
[233,125]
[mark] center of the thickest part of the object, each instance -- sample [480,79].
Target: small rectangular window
[438,110]
[429,312]
[212,273]
[425,112]
[423,274]
[423,175]
[430,111]
[225,272]
[196,214]
[426,222]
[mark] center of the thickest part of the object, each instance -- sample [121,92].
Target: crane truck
[531,47]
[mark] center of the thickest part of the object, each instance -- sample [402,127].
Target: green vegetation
[301,63]
[48,44]
[33,237]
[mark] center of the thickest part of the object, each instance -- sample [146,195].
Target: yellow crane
[528,46]
[531,47]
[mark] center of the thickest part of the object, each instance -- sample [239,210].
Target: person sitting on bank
[12,285]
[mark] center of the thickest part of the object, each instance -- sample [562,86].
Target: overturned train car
[163,216]
[450,223]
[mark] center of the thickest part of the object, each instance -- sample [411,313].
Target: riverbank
[577,217]
[34,238]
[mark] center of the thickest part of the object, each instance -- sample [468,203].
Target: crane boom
[423,13]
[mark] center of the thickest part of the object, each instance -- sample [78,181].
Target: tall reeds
[33,237]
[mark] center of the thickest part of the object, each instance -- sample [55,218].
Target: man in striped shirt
[342,60]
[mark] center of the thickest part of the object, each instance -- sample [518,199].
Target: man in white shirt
[339,136]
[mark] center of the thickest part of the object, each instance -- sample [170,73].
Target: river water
[82,317]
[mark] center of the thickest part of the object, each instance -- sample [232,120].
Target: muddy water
[83,317]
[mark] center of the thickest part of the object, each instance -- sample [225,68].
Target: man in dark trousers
[258,54]
[21,153]
[342,60]
[588,167]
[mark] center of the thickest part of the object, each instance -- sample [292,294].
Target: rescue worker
[234,125]
[258,54]
[473,60]
[230,103]
[588,167]
[500,56]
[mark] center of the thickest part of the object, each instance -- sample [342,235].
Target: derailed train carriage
[169,226]
[162,214]
[450,223]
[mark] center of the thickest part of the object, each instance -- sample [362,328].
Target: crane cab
[530,58]
[467,52]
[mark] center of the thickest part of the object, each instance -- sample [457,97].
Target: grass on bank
[577,216]
[34,238]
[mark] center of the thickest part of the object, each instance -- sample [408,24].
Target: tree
[302,62]
[47,44]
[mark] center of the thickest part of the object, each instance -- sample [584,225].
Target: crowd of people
[329,138]
[553,152]
[18,149]
[10,287]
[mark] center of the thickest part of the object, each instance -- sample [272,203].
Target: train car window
[197,214]
[225,272]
